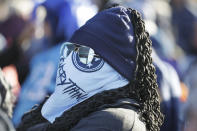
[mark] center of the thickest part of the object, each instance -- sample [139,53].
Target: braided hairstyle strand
[145,84]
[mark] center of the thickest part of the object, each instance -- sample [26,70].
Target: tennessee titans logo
[95,64]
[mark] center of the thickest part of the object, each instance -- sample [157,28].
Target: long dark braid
[145,85]
[143,89]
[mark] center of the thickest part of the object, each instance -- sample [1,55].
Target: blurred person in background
[5,122]
[191,112]
[171,93]
[11,75]
[190,108]
[7,100]
[12,25]
[52,22]
[59,23]
[190,78]
[184,20]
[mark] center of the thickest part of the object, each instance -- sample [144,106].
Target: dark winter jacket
[120,116]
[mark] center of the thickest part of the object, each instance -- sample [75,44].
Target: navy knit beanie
[110,34]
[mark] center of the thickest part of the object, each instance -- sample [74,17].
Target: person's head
[61,19]
[118,36]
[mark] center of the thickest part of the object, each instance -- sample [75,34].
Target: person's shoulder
[111,119]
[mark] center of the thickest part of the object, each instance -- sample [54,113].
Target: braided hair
[145,85]
[144,89]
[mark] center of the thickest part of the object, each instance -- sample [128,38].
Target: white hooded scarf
[76,82]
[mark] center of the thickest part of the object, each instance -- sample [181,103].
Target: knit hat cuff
[111,56]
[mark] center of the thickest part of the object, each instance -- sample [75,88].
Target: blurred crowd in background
[32,31]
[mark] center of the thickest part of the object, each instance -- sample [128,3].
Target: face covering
[81,74]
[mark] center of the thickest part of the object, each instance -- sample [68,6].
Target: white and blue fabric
[76,82]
